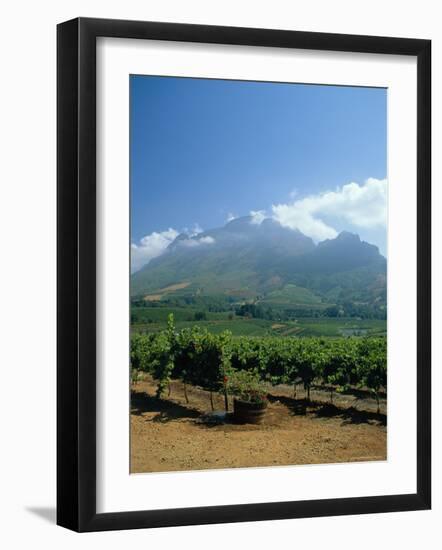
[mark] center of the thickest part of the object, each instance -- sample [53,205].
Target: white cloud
[150,246]
[362,206]
[197,242]
[206,240]
[195,230]
[296,216]
[258,216]
[153,245]
[231,217]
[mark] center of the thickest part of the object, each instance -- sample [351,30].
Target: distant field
[238,327]
[153,319]
[164,291]
[146,315]
[291,295]
[342,327]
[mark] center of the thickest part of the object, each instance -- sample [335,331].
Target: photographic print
[258,289]
[223,305]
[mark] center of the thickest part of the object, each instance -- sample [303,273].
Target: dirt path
[169,434]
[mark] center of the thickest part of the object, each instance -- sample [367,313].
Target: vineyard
[197,357]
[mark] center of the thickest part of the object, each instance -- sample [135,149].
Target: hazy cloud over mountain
[258,216]
[197,242]
[151,246]
[321,216]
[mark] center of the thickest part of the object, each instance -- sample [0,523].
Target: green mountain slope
[266,262]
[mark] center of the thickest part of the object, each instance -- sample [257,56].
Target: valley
[263,280]
[146,320]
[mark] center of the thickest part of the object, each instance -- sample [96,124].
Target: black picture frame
[76,274]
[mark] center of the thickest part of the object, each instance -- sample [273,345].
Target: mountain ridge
[247,259]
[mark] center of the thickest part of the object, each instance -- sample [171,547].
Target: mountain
[247,260]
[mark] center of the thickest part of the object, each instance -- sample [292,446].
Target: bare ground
[170,435]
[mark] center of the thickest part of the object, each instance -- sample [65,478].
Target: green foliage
[141,352]
[291,295]
[156,355]
[247,386]
[255,311]
[218,362]
[200,316]
[372,365]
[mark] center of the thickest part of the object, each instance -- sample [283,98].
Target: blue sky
[201,151]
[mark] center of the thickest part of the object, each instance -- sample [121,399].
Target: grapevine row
[197,357]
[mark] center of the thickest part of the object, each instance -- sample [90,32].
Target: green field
[291,295]
[343,327]
[153,319]
[145,315]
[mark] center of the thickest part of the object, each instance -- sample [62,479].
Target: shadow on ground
[166,410]
[350,415]
[354,392]
[327,410]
